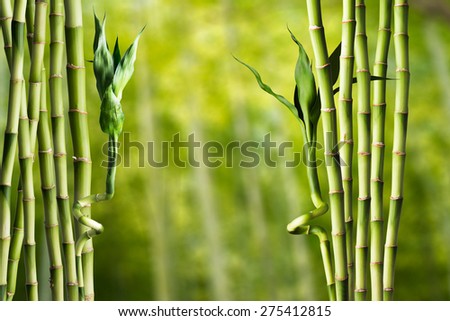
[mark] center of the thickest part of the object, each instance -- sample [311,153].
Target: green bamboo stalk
[16,247]
[5,20]
[378,146]
[346,129]
[79,126]
[363,79]
[29,18]
[331,151]
[401,43]
[10,139]
[59,144]
[47,171]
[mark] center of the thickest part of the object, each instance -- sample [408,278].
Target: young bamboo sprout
[306,109]
[401,43]
[378,146]
[363,76]
[112,73]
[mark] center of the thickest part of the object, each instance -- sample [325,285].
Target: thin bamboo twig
[59,145]
[363,78]
[401,43]
[15,103]
[47,172]
[378,147]
[346,129]
[79,127]
[336,191]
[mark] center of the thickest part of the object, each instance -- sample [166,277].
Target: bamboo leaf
[111,113]
[335,64]
[116,54]
[125,68]
[103,61]
[269,90]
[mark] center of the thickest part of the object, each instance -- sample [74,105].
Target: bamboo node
[376,220]
[336,192]
[402,70]
[384,29]
[361,247]
[349,220]
[347,141]
[32,283]
[30,35]
[364,153]
[28,199]
[39,42]
[74,67]
[364,198]
[48,151]
[87,250]
[55,267]
[348,100]
[7,46]
[53,76]
[378,144]
[388,289]
[391,246]
[376,263]
[56,14]
[68,243]
[377,180]
[48,188]
[57,42]
[379,105]
[72,284]
[347,179]
[81,160]
[75,110]
[383,63]
[396,198]
[89,297]
[404,4]
[314,27]
[363,112]
[361,290]
[59,155]
[400,34]
[323,66]
[347,57]
[5,18]
[399,153]
[362,70]
[341,279]
[327,110]
[18,229]
[331,154]
[348,21]
[7,238]
[4,184]
[401,112]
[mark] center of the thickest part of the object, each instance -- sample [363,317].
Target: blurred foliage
[189,233]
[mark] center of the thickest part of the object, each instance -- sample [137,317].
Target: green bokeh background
[203,233]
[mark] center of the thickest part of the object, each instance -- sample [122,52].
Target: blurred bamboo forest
[177,233]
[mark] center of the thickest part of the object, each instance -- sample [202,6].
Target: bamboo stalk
[401,43]
[59,144]
[363,78]
[346,128]
[11,136]
[378,147]
[5,238]
[79,126]
[47,171]
[331,152]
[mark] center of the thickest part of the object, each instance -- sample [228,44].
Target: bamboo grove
[358,259]
[36,118]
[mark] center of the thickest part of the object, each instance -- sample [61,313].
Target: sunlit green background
[220,234]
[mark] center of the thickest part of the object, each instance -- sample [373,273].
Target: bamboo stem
[59,144]
[378,146]
[346,128]
[363,118]
[10,140]
[79,126]
[401,43]
[47,171]
[331,152]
